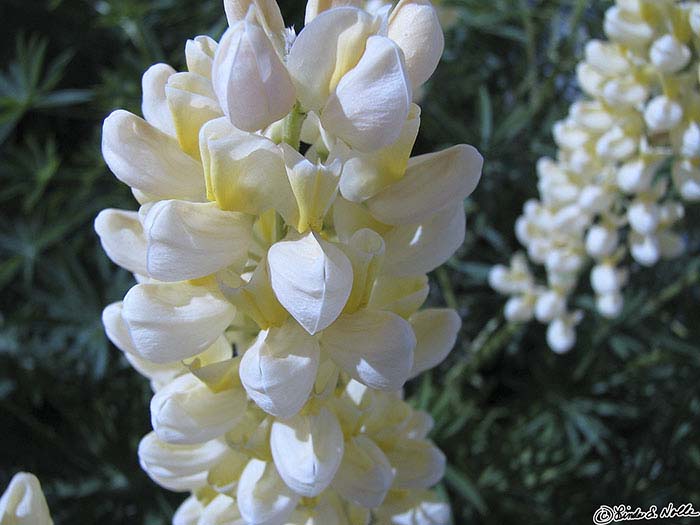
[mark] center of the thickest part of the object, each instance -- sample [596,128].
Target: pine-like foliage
[531,436]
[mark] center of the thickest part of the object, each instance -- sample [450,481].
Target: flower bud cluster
[281,251]
[628,158]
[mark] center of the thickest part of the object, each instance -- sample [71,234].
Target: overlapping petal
[312,279]
[278,371]
[187,240]
[374,346]
[172,321]
[371,102]
[149,160]
[307,450]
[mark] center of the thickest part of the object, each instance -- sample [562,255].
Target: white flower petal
[414,25]
[148,160]
[419,248]
[154,106]
[222,510]
[122,239]
[365,175]
[312,279]
[279,370]
[262,496]
[187,412]
[349,217]
[118,333]
[432,182]
[365,474]
[325,50]
[316,7]
[199,54]
[426,512]
[401,295]
[307,450]
[251,82]
[244,171]
[267,13]
[116,329]
[418,463]
[436,332]
[372,100]
[314,185]
[179,468]
[173,321]
[189,512]
[373,346]
[192,103]
[224,476]
[189,240]
[365,250]
[23,502]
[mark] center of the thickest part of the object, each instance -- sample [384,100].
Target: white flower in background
[277,311]
[23,502]
[627,153]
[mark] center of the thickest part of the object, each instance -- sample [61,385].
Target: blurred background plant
[531,436]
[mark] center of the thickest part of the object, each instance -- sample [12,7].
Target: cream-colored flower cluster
[629,155]
[23,502]
[280,251]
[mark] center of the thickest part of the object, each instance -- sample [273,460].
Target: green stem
[292,126]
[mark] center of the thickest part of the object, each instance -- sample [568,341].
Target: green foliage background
[532,437]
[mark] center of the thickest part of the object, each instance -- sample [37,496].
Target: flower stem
[292,126]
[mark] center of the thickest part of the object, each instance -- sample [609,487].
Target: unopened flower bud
[643,217]
[662,114]
[645,249]
[669,54]
[609,305]
[561,335]
[686,177]
[627,27]
[601,241]
[549,305]
[694,18]
[605,278]
[519,309]
[635,176]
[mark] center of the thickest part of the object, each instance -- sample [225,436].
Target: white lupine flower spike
[280,249]
[604,196]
